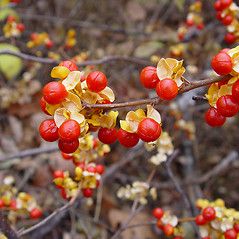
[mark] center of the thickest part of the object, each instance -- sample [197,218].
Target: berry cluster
[86,178]
[215,220]
[13,28]
[70,40]
[223,96]
[227,14]
[194,20]
[19,204]
[166,78]
[40,39]
[167,223]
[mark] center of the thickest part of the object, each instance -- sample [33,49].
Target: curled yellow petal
[153,114]
[163,69]
[72,80]
[75,99]
[60,116]
[108,94]
[60,72]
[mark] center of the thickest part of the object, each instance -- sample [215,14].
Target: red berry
[69,130]
[49,44]
[219,16]
[227,20]
[225,4]
[35,213]
[236,227]
[209,213]
[58,174]
[148,77]
[66,156]
[42,103]
[168,230]
[230,38]
[11,19]
[100,168]
[87,192]
[230,234]
[227,106]
[208,237]
[222,63]
[70,65]
[178,237]
[200,26]
[63,193]
[1,203]
[189,22]
[158,212]
[160,224]
[68,147]
[21,27]
[149,130]
[217,5]
[200,220]
[107,136]
[235,91]
[54,92]
[225,50]
[127,139]
[13,204]
[181,36]
[214,118]
[96,81]
[48,130]
[33,36]
[167,89]
[91,169]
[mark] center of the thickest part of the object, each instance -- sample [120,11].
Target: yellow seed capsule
[78,173]
[60,72]
[58,181]
[219,202]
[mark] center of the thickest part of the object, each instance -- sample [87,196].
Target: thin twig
[29,152]
[104,60]
[62,209]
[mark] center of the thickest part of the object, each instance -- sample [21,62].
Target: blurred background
[143,31]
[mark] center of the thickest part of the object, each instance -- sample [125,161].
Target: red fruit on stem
[70,65]
[91,169]
[219,16]
[11,19]
[1,203]
[225,3]
[35,213]
[21,27]
[222,63]
[230,38]
[168,230]
[227,20]
[158,212]
[235,91]
[236,227]
[48,130]
[58,174]
[107,136]
[189,22]
[66,156]
[87,192]
[149,130]
[96,81]
[42,103]
[148,77]
[68,147]
[127,139]
[167,89]
[49,44]
[214,118]
[69,130]
[230,234]
[54,92]
[225,50]
[217,5]
[200,26]
[209,213]
[227,106]
[200,220]
[100,168]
